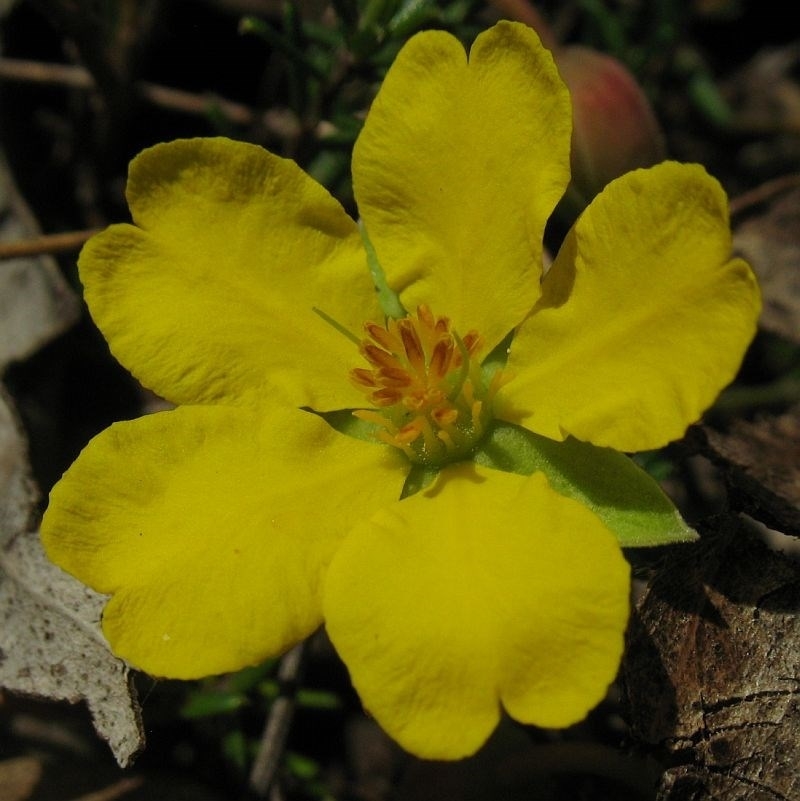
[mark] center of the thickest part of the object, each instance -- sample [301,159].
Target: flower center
[427,387]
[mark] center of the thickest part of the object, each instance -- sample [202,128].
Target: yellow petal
[198,522]
[488,589]
[211,296]
[458,168]
[644,318]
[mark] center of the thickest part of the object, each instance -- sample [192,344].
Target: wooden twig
[47,243]
[276,729]
[190,103]
[764,192]
[18,69]
[114,791]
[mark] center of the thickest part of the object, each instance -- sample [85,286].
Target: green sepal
[618,491]
[345,422]
[419,477]
[496,360]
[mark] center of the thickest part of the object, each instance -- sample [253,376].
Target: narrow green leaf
[208,704]
[269,689]
[281,42]
[318,699]
[387,297]
[456,12]
[301,766]
[247,678]
[236,749]
[376,13]
[618,491]
[411,16]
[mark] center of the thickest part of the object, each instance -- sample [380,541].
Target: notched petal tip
[645,316]
[486,590]
[458,167]
[197,521]
[210,298]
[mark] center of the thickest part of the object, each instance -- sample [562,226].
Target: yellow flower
[231,527]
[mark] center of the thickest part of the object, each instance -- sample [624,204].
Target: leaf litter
[51,645]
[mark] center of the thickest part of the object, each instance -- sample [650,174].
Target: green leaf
[318,699]
[269,689]
[236,749]
[618,491]
[411,16]
[209,703]
[246,679]
[280,41]
[301,766]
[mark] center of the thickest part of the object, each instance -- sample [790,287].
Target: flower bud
[614,127]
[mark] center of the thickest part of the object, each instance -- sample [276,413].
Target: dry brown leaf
[18,493]
[36,304]
[770,241]
[712,671]
[51,645]
[50,640]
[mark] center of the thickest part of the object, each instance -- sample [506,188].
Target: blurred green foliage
[233,700]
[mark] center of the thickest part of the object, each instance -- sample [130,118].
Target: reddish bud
[614,127]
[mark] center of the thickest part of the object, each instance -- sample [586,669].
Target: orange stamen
[425,385]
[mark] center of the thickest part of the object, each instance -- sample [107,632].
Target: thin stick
[47,243]
[114,791]
[18,69]
[764,192]
[189,103]
[276,729]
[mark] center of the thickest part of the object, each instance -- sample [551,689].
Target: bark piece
[769,240]
[761,461]
[712,672]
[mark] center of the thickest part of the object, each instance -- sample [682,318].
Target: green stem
[337,325]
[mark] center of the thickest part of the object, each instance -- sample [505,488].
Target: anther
[412,346]
[363,377]
[378,357]
[382,337]
[386,397]
[441,357]
[425,315]
[394,376]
